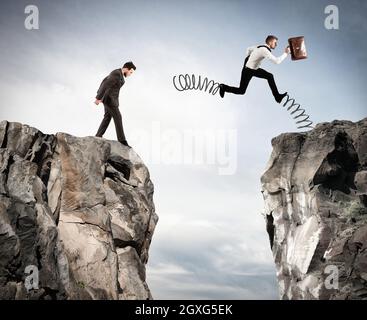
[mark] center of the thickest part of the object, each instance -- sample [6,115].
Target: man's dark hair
[270,37]
[129,65]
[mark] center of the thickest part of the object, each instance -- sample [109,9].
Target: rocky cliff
[76,217]
[315,193]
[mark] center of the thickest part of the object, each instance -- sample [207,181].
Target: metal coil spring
[187,82]
[300,113]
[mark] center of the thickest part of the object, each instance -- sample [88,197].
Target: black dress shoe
[280,97]
[221,90]
[125,143]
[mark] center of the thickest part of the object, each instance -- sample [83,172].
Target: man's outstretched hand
[287,50]
[97,102]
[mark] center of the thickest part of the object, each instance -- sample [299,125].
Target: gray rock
[80,210]
[315,193]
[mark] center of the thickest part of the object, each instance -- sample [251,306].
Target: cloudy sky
[210,242]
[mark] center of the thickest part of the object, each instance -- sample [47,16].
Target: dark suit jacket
[109,89]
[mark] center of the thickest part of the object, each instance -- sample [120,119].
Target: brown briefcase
[298,48]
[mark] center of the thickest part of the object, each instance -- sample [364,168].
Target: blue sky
[210,241]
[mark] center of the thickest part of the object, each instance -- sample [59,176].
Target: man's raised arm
[274,59]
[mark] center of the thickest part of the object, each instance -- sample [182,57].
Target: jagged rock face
[315,192]
[78,209]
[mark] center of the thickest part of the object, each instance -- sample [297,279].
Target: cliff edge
[76,217]
[315,193]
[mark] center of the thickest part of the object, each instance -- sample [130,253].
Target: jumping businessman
[251,68]
[108,93]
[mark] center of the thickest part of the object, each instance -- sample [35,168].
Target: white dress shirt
[259,54]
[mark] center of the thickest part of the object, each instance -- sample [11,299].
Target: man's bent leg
[104,124]
[261,73]
[246,76]
[116,115]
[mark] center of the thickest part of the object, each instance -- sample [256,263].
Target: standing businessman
[255,55]
[108,94]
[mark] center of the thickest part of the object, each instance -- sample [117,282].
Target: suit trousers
[112,112]
[246,76]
